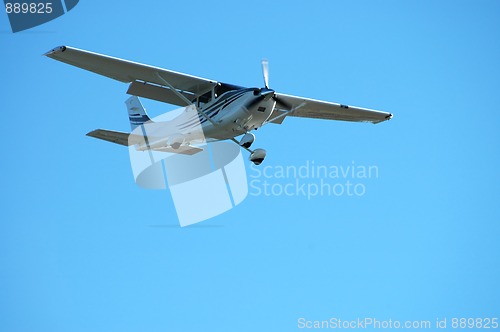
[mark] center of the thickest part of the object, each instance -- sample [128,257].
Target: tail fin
[136,112]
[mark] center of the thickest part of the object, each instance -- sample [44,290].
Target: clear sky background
[82,248]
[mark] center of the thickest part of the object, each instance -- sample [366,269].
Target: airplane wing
[317,109]
[146,81]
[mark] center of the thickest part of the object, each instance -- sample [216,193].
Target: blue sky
[82,248]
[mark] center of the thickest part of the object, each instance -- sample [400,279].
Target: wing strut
[174,90]
[188,102]
[289,112]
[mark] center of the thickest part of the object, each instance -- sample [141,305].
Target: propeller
[265,74]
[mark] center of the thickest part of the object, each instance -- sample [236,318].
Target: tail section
[136,112]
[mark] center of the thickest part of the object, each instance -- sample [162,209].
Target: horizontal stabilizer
[117,137]
[183,149]
[127,139]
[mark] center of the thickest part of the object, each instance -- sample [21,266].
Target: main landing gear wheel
[257,156]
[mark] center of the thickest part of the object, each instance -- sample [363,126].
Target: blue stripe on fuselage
[214,109]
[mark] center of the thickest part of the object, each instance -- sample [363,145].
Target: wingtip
[55,50]
[386,118]
[92,133]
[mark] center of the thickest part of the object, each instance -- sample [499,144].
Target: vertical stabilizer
[136,112]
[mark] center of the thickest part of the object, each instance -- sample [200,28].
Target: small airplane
[225,111]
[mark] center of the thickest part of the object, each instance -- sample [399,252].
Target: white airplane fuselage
[236,112]
[232,114]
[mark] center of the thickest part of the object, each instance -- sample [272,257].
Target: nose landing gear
[257,156]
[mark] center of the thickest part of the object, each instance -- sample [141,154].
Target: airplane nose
[260,96]
[262,92]
[267,93]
